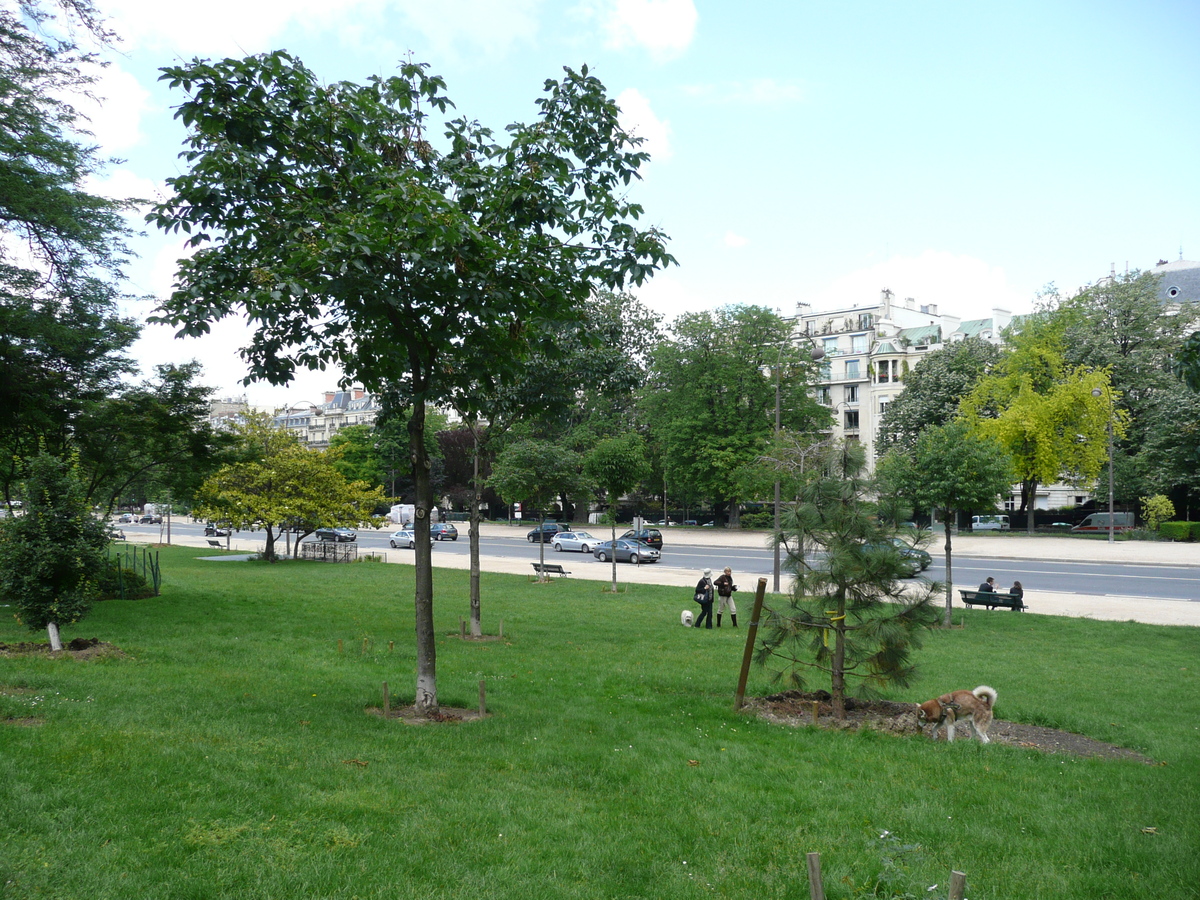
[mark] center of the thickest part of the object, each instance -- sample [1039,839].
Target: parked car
[914,559]
[545,532]
[651,536]
[336,535]
[211,530]
[150,520]
[125,519]
[405,537]
[443,531]
[626,551]
[575,540]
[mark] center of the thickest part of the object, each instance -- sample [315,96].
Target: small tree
[52,556]
[949,470]
[849,615]
[616,465]
[533,472]
[1156,510]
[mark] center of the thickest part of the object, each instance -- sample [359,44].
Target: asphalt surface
[1125,606]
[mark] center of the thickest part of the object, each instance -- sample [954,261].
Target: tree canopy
[344,229]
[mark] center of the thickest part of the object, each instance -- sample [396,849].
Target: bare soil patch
[79,648]
[794,708]
[448,715]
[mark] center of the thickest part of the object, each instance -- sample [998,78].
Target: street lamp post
[1097,392]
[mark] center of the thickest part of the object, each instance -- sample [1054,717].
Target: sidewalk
[994,546]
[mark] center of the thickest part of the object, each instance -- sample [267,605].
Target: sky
[967,155]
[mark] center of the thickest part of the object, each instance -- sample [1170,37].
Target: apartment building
[870,349]
[314,424]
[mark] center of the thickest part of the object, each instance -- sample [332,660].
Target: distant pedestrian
[989,586]
[704,596]
[725,588]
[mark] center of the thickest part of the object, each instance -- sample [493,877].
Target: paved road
[1149,582]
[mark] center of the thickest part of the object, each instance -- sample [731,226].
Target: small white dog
[973,707]
[686,618]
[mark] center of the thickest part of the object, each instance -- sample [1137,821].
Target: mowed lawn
[229,754]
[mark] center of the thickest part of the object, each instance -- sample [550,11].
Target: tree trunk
[55,641]
[269,550]
[838,662]
[1030,505]
[473,537]
[948,520]
[613,547]
[426,698]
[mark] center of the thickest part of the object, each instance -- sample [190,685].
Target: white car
[579,541]
[403,538]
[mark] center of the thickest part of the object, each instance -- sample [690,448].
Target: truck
[406,513]
[1097,523]
[989,523]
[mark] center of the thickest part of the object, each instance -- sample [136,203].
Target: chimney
[329,395]
[359,393]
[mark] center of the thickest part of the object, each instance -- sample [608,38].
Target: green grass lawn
[229,754]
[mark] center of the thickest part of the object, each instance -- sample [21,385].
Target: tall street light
[1097,392]
[817,354]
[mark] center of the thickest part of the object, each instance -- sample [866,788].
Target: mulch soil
[794,708]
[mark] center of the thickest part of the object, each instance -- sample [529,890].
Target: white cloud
[960,285]
[115,115]
[664,27]
[639,119]
[735,240]
[236,27]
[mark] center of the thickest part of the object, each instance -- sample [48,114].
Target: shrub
[1156,509]
[116,582]
[1178,531]
[763,519]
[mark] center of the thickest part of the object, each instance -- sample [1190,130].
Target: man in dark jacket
[704,596]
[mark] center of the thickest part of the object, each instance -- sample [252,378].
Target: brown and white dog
[974,707]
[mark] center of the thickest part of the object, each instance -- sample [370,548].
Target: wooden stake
[462,627]
[387,701]
[501,629]
[482,698]
[816,890]
[751,634]
[815,709]
[391,646]
[339,646]
[958,884]
[364,649]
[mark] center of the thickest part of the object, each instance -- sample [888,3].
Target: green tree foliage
[1187,362]
[1156,510]
[357,457]
[533,473]
[849,616]
[51,556]
[949,470]
[284,485]
[1042,411]
[710,400]
[933,389]
[424,269]
[616,465]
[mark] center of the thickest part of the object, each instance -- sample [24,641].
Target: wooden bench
[216,544]
[992,599]
[549,569]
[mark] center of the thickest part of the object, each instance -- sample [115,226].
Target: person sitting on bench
[1017,592]
[989,586]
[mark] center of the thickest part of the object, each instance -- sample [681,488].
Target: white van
[989,523]
[1097,523]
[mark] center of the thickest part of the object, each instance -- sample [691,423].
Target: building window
[883,404]
[830,346]
[852,393]
[852,368]
[858,343]
[851,420]
[885,371]
[823,395]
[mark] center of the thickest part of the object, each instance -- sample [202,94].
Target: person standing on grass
[725,588]
[704,596]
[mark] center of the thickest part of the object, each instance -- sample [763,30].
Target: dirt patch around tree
[795,708]
[79,648]
[447,715]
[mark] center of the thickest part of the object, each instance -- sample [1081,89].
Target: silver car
[403,538]
[626,551]
[579,541]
